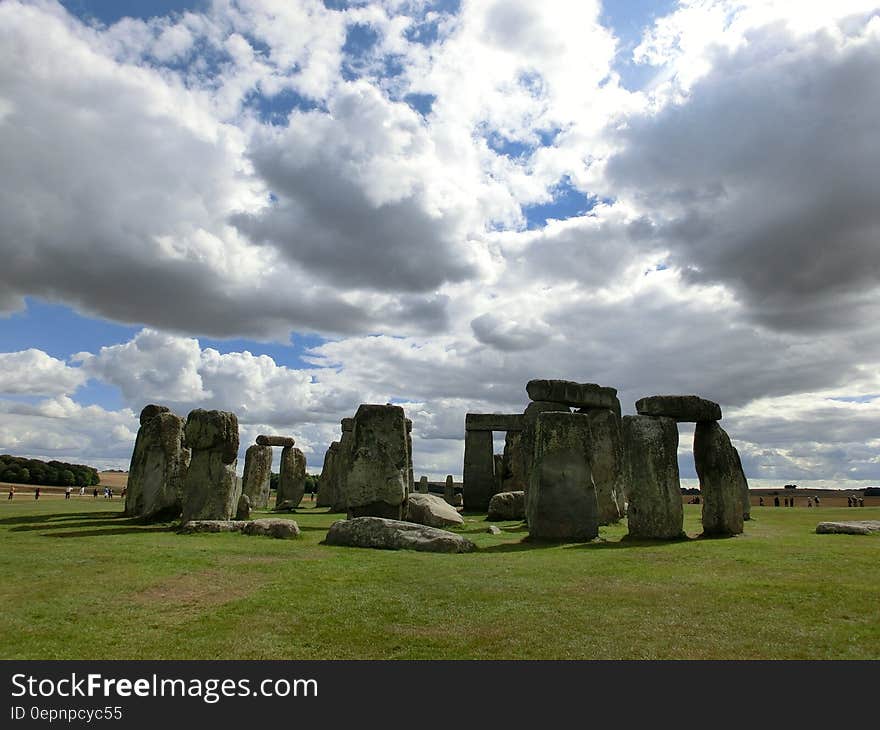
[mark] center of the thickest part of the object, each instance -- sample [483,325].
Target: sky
[286,208]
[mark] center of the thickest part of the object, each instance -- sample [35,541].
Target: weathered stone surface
[744,487]
[423,485]
[479,470]
[272,527]
[526,452]
[449,489]
[386,534]
[493,422]
[257,476]
[850,527]
[457,500]
[329,479]
[377,478]
[263,440]
[347,424]
[292,477]
[211,488]
[243,511]
[343,460]
[151,411]
[159,463]
[720,477]
[493,530]
[578,395]
[562,496]
[514,468]
[507,506]
[683,408]
[500,472]
[410,474]
[215,430]
[193,526]
[606,459]
[651,452]
[426,509]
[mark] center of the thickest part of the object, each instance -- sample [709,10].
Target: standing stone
[158,466]
[410,474]
[500,473]
[479,470]
[211,489]
[423,485]
[291,479]
[449,489]
[720,476]
[243,510]
[607,462]
[514,468]
[527,437]
[744,486]
[377,479]
[562,496]
[257,475]
[651,452]
[343,462]
[329,477]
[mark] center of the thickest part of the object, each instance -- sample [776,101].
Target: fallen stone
[850,527]
[272,527]
[651,451]
[263,440]
[193,526]
[385,534]
[683,408]
[493,530]
[426,509]
[577,395]
[507,506]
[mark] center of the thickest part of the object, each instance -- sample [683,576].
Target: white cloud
[33,372]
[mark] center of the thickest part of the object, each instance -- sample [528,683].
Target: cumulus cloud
[33,372]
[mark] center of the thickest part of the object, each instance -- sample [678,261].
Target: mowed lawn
[79,581]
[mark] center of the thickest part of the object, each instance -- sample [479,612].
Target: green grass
[81,582]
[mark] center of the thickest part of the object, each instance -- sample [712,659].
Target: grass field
[79,581]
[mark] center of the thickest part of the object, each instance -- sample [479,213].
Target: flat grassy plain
[80,581]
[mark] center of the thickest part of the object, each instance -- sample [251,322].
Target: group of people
[854,501]
[108,492]
[789,501]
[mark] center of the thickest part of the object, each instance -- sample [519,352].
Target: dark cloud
[765,178]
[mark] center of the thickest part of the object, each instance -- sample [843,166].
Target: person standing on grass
[67,493]
[36,494]
[95,493]
[816,500]
[11,492]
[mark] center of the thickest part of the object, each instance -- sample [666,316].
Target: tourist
[36,494]
[809,501]
[67,492]
[816,500]
[95,493]
[760,501]
[861,501]
[11,492]
[82,491]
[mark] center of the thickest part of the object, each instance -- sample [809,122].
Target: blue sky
[288,209]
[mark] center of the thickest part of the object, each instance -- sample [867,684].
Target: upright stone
[721,480]
[500,473]
[377,478]
[526,453]
[329,477]
[158,466]
[449,489]
[479,470]
[410,474]
[562,496]
[514,468]
[606,459]
[343,462]
[211,489]
[651,452]
[257,475]
[423,485]
[291,479]
[744,486]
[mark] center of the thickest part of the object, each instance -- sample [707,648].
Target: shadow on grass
[114,522]
[600,544]
[109,531]
[59,517]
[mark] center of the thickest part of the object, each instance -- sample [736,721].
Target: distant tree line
[311,482]
[18,470]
